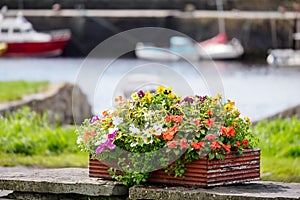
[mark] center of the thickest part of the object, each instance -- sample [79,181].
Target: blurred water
[258,90]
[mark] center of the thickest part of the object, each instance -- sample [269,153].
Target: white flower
[79,140]
[134,129]
[111,130]
[117,120]
[133,144]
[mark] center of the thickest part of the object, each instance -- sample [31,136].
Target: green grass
[280,149]
[27,138]
[14,90]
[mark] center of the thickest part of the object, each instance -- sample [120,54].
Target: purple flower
[109,144]
[188,99]
[202,99]
[113,134]
[100,149]
[94,120]
[141,93]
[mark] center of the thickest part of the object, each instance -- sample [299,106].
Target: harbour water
[258,90]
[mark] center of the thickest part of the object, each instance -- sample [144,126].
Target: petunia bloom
[141,93]
[94,120]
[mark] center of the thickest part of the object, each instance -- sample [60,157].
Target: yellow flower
[135,96]
[237,112]
[229,106]
[160,89]
[148,96]
[219,96]
[172,95]
[168,91]
[248,120]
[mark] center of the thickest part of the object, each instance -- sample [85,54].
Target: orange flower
[169,135]
[197,145]
[226,147]
[86,135]
[210,122]
[177,118]
[228,131]
[215,145]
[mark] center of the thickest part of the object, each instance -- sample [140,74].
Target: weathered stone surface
[58,100]
[257,190]
[57,181]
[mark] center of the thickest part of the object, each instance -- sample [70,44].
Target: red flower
[245,143]
[210,112]
[183,144]
[168,118]
[228,131]
[215,145]
[210,122]
[197,145]
[210,137]
[172,144]
[226,147]
[238,143]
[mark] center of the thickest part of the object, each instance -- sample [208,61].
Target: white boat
[180,48]
[219,48]
[284,57]
[23,40]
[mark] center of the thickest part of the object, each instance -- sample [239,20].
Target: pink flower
[109,144]
[238,143]
[94,120]
[172,144]
[100,149]
[210,137]
[245,143]
[210,112]
[112,135]
[183,144]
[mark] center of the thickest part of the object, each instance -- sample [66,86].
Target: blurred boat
[23,40]
[284,57]
[180,48]
[3,47]
[219,48]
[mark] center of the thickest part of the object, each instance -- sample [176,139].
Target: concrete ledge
[57,181]
[74,183]
[252,191]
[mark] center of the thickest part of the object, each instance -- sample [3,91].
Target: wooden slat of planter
[234,169]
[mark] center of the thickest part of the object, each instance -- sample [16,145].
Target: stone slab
[261,190]
[57,181]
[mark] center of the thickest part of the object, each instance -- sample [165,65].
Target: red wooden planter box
[235,168]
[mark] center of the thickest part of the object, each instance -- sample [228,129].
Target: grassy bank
[14,90]
[27,138]
[280,149]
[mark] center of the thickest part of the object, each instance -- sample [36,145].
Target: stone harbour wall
[57,100]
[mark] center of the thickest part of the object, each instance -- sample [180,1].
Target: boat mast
[221,21]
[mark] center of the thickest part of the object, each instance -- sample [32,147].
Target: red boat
[23,40]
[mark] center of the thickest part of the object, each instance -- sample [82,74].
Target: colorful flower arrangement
[152,130]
